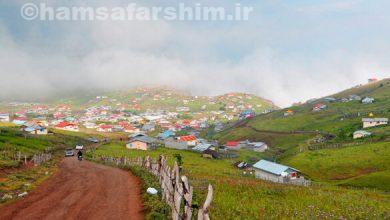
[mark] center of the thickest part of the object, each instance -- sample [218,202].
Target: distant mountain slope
[143,98]
[337,117]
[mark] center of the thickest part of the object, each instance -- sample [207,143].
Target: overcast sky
[288,51]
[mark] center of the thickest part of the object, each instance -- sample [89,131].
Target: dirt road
[81,190]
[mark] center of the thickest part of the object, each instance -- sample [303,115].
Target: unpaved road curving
[81,190]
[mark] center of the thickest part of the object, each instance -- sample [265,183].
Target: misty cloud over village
[59,57]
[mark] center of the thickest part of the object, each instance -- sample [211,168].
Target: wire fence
[175,188]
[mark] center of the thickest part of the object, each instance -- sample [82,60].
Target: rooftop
[272,167]
[375,119]
[144,139]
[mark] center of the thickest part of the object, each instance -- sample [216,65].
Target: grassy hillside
[364,162]
[141,99]
[336,116]
[240,196]
[12,141]
[367,164]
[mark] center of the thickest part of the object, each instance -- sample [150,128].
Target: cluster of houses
[209,149]
[368,123]
[117,117]
[229,106]
[321,106]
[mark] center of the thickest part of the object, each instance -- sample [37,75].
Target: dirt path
[81,190]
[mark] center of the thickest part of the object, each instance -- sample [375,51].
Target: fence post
[178,192]
[188,190]
[203,213]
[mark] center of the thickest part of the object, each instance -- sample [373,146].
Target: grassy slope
[170,99]
[286,147]
[329,119]
[12,141]
[239,196]
[368,163]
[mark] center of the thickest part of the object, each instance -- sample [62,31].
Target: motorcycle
[80,158]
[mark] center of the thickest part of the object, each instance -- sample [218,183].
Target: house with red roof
[58,115]
[319,107]
[63,108]
[123,123]
[19,120]
[130,129]
[191,140]
[373,79]
[67,126]
[21,113]
[104,128]
[232,145]
[194,124]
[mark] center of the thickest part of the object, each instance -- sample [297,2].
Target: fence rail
[37,159]
[338,145]
[175,188]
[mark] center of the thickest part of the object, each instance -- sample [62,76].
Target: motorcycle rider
[80,154]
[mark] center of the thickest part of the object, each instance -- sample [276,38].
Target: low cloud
[204,60]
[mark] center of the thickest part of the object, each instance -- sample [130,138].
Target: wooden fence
[40,158]
[363,113]
[175,189]
[36,159]
[337,145]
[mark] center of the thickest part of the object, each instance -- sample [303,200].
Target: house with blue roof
[246,114]
[35,129]
[202,147]
[278,173]
[166,134]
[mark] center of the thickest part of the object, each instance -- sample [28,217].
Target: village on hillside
[149,111]
[182,127]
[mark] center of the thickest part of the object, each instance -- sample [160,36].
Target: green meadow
[340,161]
[365,165]
[241,196]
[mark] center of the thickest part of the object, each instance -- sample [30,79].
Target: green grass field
[13,141]
[366,165]
[239,196]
